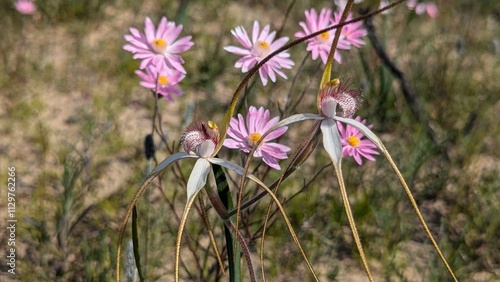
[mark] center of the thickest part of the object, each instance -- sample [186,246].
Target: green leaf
[226,199]
[135,241]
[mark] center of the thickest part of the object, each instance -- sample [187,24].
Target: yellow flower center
[159,45]
[253,138]
[261,49]
[353,141]
[323,37]
[162,80]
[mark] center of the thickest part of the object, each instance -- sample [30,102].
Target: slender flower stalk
[255,50]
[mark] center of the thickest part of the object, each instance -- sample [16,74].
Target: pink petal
[432,10]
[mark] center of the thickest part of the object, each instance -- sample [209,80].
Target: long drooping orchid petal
[368,133]
[198,177]
[204,215]
[185,213]
[331,140]
[239,170]
[166,162]
[159,168]
[364,129]
[350,218]
[294,119]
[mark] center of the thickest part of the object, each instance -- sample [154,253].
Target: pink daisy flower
[353,143]
[351,32]
[25,7]
[430,8]
[245,135]
[255,50]
[320,45]
[166,79]
[158,45]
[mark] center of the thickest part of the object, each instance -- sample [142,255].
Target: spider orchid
[200,141]
[333,95]
[336,102]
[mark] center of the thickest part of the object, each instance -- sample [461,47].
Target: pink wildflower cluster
[320,45]
[159,49]
[420,7]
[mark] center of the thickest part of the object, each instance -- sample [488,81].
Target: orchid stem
[350,218]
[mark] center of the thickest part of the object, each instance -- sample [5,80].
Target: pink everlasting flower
[255,50]
[353,143]
[166,79]
[351,32]
[321,44]
[420,8]
[245,135]
[25,7]
[158,45]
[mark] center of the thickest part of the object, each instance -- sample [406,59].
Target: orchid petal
[331,140]
[198,177]
[294,119]
[166,162]
[236,168]
[239,170]
[363,128]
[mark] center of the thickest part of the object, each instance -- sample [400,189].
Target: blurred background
[73,121]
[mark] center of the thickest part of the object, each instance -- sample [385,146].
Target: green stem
[232,253]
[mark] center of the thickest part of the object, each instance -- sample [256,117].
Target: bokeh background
[73,119]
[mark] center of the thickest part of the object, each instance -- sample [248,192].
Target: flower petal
[294,119]
[198,177]
[166,162]
[363,128]
[331,140]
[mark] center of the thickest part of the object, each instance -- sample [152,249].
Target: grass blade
[135,241]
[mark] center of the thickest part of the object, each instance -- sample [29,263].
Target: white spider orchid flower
[336,102]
